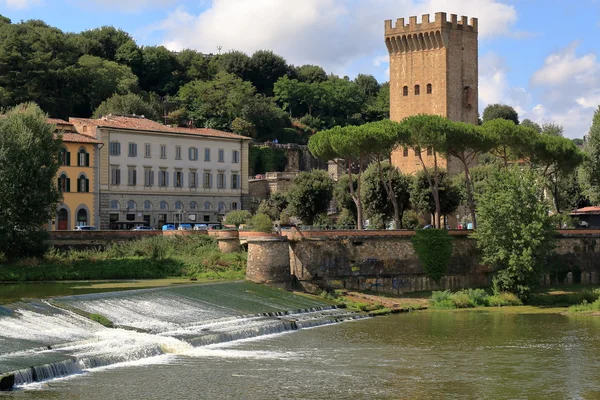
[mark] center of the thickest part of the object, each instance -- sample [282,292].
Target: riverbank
[196,256]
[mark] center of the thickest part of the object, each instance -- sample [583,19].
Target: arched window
[221,207]
[64,183]
[147,205]
[207,206]
[178,205]
[405,91]
[193,205]
[64,157]
[429,88]
[83,184]
[234,206]
[84,128]
[62,220]
[115,205]
[405,152]
[417,90]
[83,158]
[82,217]
[468,97]
[131,205]
[164,205]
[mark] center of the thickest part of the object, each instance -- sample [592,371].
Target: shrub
[434,249]
[238,217]
[461,300]
[478,297]
[261,223]
[586,307]
[504,299]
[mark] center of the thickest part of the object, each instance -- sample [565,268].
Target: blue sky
[540,56]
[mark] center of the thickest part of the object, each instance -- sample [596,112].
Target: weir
[40,341]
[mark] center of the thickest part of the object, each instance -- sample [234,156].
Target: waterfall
[43,341]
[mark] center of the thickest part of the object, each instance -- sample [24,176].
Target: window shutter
[87,185]
[118,175]
[224,181]
[118,149]
[134,177]
[166,179]
[68,158]
[59,186]
[151,178]
[68,184]
[174,178]
[210,181]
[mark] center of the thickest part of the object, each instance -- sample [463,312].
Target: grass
[586,308]
[149,258]
[102,320]
[471,298]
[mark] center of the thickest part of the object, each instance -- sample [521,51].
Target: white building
[156,174]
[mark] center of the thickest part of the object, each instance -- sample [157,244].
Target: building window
[221,180]
[221,155]
[178,205]
[235,157]
[83,184]
[132,150]
[82,217]
[164,205]
[468,97]
[207,206]
[115,175]
[193,205]
[114,204]
[148,177]
[193,153]
[178,179]
[64,183]
[405,152]
[147,205]
[130,217]
[178,152]
[163,151]
[417,152]
[417,90]
[193,179]
[221,207]
[234,206]
[64,157]
[147,150]
[405,91]
[85,129]
[131,205]
[207,180]
[429,88]
[207,154]
[115,148]
[235,181]
[83,159]
[163,178]
[429,151]
[131,176]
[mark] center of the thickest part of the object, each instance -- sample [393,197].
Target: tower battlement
[440,22]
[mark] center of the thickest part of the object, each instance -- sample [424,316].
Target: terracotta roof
[77,138]
[143,124]
[57,121]
[586,210]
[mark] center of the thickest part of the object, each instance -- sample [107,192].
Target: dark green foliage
[422,199]
[310,195]
[261,223]
[266,68]
[28,169]
[591,170]
[128,104]
[274,206]
[434,249]
[311,74]
[238,217]
[264,159]
[374,195]
[342,197]
[502,111]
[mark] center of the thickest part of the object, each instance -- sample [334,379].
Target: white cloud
[20,4]
[331,33]
[127,5]
[494,86]
[565,67]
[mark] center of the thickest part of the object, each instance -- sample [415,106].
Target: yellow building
[76,179]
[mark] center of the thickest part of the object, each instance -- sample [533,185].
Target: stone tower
[433,70]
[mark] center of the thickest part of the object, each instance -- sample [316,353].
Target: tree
[28,170]
[238,217]
[310,195]
[274,206]
[267,119]
[236,63]
[591,170]
[513,142]
[466,142]
[266,68]
[515,229]
[109,39]
[343,199]
[311,74]
[128,104]
[375,196]
[530,124]
[216,103]
[378,107]
[552,129]
[158,67]
[421,194]
[367,84]
[502,111]
[428,133]
[261,223]
[195,66]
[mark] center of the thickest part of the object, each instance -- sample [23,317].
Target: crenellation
[439,23]
[425,19]
[454,21]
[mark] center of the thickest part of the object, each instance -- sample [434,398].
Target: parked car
[200,227]
[168,227]
[214,227]
[142,228]
[184,227]
[85,228]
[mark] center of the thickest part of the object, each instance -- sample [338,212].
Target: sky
[539,56]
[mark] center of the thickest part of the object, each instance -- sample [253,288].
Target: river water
[422,355]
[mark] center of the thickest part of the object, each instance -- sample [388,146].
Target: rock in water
[7,382]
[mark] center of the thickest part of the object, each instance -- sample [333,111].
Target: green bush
[261,223]
[472,298]
[102,320]
[504,299]
[461,300]
[478,297]
[434,249]
[586,307]
[238,217]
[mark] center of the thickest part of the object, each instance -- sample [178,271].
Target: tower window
[429,88]
[405,152]
[405,91]
[468,97]
[417,90]
[429,151]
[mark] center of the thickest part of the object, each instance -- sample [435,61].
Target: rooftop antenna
[219,47]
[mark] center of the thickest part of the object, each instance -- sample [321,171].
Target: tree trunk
[436,192]
[389,189]
[470,197]
[353,194]
[431,184]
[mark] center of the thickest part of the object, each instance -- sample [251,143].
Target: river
[422,355]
